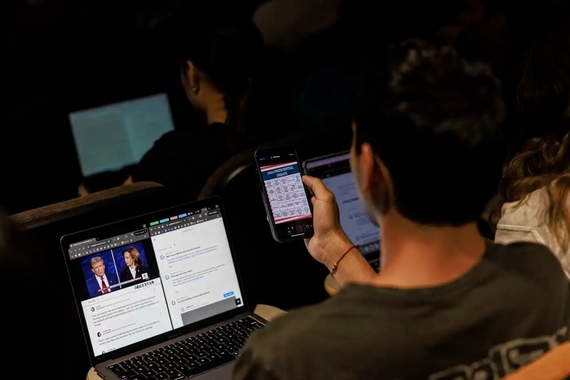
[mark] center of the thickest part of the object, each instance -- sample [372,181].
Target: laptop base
[222,371]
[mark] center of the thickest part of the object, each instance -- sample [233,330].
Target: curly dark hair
[543,164]
[436,122]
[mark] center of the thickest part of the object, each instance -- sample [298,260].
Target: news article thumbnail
[100,273]
[118,268]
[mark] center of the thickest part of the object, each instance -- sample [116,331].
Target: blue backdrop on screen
[120,259]
[114,262]
[107,257]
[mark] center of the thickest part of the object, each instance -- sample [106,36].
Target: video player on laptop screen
[334,171]
[116,136]
[143,277]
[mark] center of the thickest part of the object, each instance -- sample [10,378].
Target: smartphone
[286,198]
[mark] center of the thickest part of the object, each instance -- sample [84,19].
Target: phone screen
[285,193]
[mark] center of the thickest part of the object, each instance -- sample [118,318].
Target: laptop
[111,137]
[179,312]
[334,171]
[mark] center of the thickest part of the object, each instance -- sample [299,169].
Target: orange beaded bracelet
[335,265]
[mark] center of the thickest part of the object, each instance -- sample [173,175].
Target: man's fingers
[308,181]
[316,185]
[318,188]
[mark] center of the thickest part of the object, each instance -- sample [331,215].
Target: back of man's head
[436,122]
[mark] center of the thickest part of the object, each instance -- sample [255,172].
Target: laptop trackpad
[221,373]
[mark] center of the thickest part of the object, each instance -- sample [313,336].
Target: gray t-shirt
[510,308]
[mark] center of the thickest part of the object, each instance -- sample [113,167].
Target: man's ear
[384,174]
[375,177]
[368,168]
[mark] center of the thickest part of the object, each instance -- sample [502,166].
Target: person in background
[536,181]
[217,56]
[428,143]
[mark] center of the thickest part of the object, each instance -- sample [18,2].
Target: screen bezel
[130,224]
[315,160]
[281,150]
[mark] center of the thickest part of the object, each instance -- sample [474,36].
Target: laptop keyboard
[191,356]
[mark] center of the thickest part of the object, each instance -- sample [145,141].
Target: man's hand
[326,222]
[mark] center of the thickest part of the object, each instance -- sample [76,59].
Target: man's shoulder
[295,321]
[317,320]
[526,252]
[301,342]
[529,261]
[330,321]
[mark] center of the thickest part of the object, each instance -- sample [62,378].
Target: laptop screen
[139,278]
[117,135]
[335,172]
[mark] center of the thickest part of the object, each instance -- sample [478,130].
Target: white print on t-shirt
[504,359]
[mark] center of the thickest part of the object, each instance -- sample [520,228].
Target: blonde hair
[95,260]
[543,164]
[135,255]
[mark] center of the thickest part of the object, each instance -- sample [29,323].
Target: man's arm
[329,241]
[353,267]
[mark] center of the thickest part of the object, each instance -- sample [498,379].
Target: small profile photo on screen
[132,263]
[100,274]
